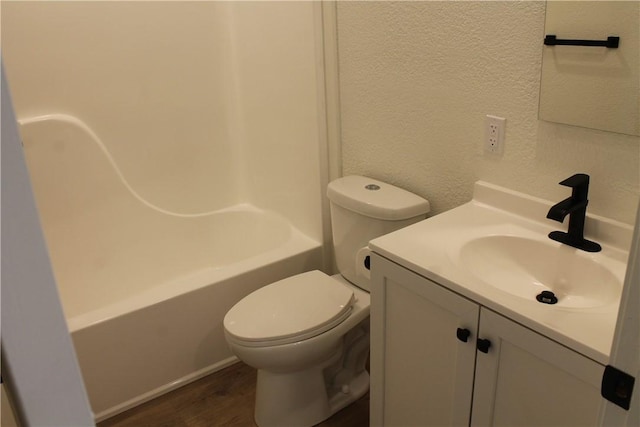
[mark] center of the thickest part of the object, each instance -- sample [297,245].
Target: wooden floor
[225,398]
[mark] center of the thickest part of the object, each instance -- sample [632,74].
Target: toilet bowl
[305,377]
[308,335]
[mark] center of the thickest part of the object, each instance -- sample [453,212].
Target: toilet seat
[290,310]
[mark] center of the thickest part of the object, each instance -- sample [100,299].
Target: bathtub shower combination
[144,289]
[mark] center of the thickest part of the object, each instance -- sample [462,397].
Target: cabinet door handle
[463,334]
[483,345]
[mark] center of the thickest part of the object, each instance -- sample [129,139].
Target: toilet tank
[362,209]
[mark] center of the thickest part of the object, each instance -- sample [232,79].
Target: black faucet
[576,207]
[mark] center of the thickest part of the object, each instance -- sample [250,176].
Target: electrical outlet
[494,134]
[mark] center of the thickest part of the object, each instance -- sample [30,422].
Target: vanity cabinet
[429,368]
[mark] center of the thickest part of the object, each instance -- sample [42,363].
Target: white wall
[202,104]
[148,77]
[278,118]
[418,78]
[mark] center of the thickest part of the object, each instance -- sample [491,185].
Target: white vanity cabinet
[423,373]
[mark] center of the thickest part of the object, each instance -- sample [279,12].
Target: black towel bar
[611,42]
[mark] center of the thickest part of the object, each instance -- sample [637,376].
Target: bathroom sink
[525,267]
[495,251]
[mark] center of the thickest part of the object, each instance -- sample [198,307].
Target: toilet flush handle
[363,262]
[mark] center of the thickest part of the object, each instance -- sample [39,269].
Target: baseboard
[138,400]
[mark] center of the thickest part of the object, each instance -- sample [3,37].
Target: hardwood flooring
[224,398]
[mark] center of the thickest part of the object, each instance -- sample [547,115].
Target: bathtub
[145,290]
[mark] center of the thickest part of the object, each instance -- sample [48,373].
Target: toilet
[308,335]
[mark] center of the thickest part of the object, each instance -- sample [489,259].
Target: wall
[280,115]
[202,104]
[145,76]
[418,78]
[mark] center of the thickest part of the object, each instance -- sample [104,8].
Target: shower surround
[177,166]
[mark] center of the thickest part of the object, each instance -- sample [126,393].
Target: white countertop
[431,249]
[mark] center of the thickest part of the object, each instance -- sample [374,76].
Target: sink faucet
[576,207]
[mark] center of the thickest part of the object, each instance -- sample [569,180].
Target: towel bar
[611,42]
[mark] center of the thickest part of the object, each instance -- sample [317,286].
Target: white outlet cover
[494,134]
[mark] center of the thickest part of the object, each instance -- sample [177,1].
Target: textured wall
[418,78]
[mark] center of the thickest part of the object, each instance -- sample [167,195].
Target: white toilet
[308,335]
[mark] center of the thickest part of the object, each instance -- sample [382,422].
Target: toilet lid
[290,310]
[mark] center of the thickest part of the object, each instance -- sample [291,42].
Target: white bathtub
[144,291]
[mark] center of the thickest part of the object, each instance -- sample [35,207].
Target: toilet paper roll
[361,256]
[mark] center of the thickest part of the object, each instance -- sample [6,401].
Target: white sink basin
[525,267]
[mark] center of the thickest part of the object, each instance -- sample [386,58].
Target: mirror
[595,87]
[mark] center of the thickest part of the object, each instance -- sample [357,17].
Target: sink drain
[547,297]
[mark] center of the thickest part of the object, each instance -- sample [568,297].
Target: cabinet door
[421,373]
[528,379]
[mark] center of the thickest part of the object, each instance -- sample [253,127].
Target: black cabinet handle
[483,345]
[463,334]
